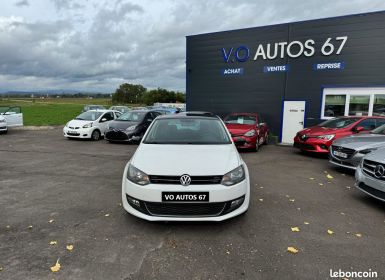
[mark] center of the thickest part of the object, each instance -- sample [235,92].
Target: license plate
[340,154]
[185,196]
[72,132]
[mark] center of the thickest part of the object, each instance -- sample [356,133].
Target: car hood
[378,155]
[361,141]
[121,124]
[78,123]
[319,130]
[176,160]
[236,128]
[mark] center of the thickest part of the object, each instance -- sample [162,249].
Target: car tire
[266,139]
[256,149]
[95,136]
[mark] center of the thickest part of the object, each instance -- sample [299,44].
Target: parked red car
[319,138]
[248,130]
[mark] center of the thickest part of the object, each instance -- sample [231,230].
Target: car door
[366,124]
[14,116]
[105,120]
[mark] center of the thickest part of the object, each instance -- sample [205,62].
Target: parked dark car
[130,126]
[93,107]
[248,130]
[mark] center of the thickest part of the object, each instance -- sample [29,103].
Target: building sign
[232,71]
[280,50]
[329,66]
[276,68]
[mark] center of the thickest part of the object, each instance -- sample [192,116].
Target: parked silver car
[370,174]
[349,151]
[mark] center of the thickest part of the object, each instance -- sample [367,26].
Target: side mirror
[103,120]
[358,129]
[239,142]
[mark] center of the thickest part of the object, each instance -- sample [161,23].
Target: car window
[109,116]
[132,116]
[240,119]
[338,122]
[380,122]
[89,116]
[187,131]
[118,114]
[367,124]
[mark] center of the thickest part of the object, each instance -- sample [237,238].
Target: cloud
[106,43]
[22,3]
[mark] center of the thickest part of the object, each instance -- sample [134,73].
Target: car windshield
[338,123]
[89,116]
[132,116]
[240,119]
[379,130]
[201,131]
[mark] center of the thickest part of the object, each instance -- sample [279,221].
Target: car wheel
[266,139]
[256,149]
[95,136]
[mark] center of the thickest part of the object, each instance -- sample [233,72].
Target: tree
[129,93]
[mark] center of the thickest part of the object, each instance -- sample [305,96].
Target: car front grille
[73,134]
[304,146]
[116,135]
[185,209]
[344,163]
[349,152]
[74,127]
[369,168]
[374,192]
[195,180]
[3,127]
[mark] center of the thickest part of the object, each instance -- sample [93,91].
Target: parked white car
[186,169]
[10,116]
[90,125]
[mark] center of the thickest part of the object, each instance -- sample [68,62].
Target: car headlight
[130,128]
[367,151]
[137,176]
[326,137]
[250,133]
[2,120]
[88,125]
[234,177]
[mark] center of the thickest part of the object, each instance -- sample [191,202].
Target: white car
[186,169]
[90,125]
[10,116]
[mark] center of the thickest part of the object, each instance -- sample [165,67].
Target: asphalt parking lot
[53,189]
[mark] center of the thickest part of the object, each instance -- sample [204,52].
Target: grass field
[52,111]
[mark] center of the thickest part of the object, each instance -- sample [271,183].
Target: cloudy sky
[96,45]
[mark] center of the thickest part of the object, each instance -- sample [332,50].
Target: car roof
[244,114]
[101,110]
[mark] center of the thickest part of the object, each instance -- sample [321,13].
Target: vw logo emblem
[185,180]
[303,137]
[379,171]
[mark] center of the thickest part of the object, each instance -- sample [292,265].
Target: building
[295,74]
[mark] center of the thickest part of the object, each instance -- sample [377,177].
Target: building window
[334,105]
[338,102]
[379,105]
[359,105]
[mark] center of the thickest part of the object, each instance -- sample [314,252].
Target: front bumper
[151,208]
[121,136]
[81,133]
[249,142]
[369,185]
[351,163]
[3,127]
[314,145]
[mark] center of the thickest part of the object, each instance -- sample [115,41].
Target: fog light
[133,201]
[236,203]
[323,147]
[85,134]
